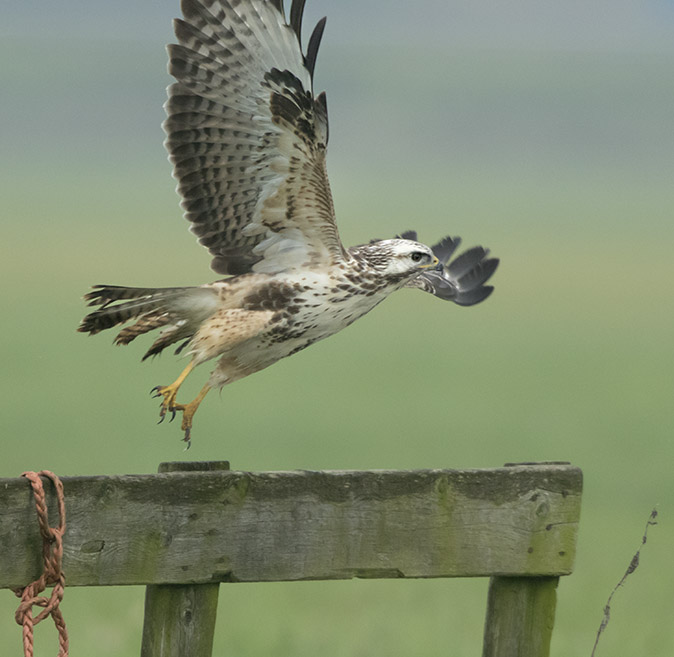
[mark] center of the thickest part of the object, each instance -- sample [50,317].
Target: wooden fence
[189,528]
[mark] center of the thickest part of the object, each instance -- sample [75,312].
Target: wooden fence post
[520,616]
[520,613]
[180,619]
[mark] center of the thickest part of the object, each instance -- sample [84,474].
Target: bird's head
[398,259]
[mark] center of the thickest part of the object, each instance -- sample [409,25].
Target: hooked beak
[436,265]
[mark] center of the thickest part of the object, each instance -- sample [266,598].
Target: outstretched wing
[247,137]
[463,279]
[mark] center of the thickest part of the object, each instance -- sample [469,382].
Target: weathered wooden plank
[179,619]
[520,616]
[181,528]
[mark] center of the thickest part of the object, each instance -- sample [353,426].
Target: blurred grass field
[562,164]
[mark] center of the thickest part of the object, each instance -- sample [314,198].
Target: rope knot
[52,574]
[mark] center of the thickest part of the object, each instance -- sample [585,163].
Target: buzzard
[247,138]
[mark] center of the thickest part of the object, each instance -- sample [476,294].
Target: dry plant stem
[630,569]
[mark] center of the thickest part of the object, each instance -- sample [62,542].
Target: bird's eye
[417,256]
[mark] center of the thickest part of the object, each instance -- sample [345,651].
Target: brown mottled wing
[248,139]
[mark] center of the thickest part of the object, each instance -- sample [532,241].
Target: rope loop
[52,574]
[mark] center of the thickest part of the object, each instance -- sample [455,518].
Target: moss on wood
[213,526]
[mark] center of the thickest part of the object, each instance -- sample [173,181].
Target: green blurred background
[542,130]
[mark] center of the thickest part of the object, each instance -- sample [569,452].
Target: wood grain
[520,616]
[199,527]
[179,619]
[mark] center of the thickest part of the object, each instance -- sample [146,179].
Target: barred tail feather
[178,311]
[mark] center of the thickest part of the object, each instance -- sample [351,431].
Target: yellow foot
[188,410]
[188,413]
[169,394]
[169,403]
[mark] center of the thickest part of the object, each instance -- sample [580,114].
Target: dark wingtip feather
[296,13]
[189,8]
[312,48]
[408,235]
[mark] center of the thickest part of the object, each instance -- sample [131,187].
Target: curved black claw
[162,413]
[187,438]
[157,390]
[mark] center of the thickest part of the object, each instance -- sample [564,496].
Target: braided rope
[52,575]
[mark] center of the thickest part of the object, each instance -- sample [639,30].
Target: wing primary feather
[296,13]
[312,48]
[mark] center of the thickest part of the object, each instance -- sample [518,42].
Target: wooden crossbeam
[199,527]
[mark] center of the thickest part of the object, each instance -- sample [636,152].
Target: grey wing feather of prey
[463,279]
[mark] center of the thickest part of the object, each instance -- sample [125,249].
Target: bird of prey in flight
[247,137]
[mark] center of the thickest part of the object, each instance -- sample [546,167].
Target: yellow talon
[169,403]
[169,393]
[188,411]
